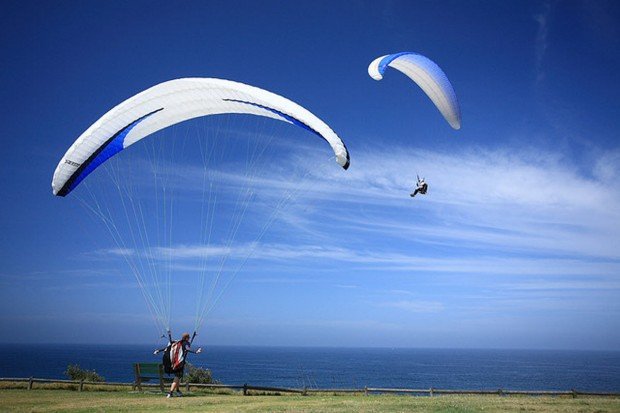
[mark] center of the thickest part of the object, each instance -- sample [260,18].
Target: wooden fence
[246,388]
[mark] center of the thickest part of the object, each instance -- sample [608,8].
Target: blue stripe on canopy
[110,148]
[291,119]
[277,112]
[383,64]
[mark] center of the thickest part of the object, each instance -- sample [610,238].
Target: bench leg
[161,378]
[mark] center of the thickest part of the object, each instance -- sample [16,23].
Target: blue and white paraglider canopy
[426,74]
[172,102]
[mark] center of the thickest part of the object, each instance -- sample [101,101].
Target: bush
[74,372]
[199,375]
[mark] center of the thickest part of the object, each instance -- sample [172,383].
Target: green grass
[43,400]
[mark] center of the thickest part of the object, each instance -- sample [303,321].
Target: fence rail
[305,391]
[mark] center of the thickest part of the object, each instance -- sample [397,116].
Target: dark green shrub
[198,375]
[75,372]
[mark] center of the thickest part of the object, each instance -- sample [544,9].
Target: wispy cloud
[494,211]
[566,285]
[415,306]
[331,323]
[542,41]
[119,251]
[390,261]
[520,199]
[524,229]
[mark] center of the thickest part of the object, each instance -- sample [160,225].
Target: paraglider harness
[422,187]
[174,355]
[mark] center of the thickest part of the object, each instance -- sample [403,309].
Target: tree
[75,372]
[199,375]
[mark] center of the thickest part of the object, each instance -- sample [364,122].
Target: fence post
[138,382]
[573,393]
[305,392]
[245,389]
[430,392]
[500,392]
[160,371]
[365,390]
[30,381]
[81,385]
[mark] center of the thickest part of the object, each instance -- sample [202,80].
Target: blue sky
[515,246]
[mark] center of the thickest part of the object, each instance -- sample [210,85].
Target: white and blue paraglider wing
[173,102]
[428,76]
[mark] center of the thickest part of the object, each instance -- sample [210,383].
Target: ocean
[341,367]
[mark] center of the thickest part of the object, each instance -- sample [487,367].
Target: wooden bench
[145,372]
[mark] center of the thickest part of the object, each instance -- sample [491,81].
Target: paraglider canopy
[426,74]
[172,102]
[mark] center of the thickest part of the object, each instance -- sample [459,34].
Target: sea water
[340,367]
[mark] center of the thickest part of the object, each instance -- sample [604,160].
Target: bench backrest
[148,369]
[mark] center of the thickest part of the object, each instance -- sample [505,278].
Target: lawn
[45,400]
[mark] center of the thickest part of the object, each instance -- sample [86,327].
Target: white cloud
[117,251]
[607,168]
[500,220]
[520,200]
[542,42]
[416,306]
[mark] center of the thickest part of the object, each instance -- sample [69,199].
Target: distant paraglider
[431,79]
[421,188]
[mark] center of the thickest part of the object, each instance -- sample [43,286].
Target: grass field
[19,400]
